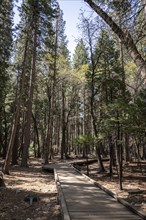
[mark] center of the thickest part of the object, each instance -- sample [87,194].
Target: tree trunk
[15,148]
[37,135]
[111,154]
[124,36]
[47,140]
[100,163]
[11,142]
[5,135]
[30,99]
[126,148]
[16,117]
[34,145]
[63,124]
[119,152]
[2,184]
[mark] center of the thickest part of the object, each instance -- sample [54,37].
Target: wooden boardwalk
[82,200]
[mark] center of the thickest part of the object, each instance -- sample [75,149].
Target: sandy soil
[25,185]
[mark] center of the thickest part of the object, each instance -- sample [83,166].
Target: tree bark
[16,117]
[30,99]
[119,152]
[63,141]
[37,135]
[16,146]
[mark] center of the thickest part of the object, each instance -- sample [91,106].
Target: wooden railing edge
[61,198]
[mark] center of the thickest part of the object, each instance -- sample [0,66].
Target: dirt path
[25,185]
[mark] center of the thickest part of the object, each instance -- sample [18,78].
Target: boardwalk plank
[97,215]
[84,200]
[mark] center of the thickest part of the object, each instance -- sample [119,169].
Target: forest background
[94,104]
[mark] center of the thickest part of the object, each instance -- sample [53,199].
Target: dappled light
[34,183]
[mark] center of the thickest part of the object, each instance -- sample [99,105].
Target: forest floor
[23,184]
[134,183]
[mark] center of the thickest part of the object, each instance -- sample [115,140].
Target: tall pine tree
[6,22]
